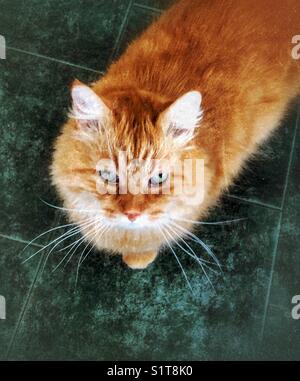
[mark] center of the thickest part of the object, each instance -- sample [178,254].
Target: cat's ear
[87,107]
[180,119]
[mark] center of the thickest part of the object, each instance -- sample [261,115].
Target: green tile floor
[113,313]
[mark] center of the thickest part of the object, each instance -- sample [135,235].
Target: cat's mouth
[135,220]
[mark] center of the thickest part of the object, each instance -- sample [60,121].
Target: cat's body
[238,55]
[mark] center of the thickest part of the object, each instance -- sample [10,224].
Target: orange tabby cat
[209,80]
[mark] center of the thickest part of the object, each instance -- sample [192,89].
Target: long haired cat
[208,81]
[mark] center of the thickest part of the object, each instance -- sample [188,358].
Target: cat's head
[130,160]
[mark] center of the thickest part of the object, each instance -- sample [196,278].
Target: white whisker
[75,245]
[69,251]
[209,223]
[64,235]
[177,259]
[203,261]
[80,261]
[71,244]
[46,232]
[71,210]
[198,240]
[59,242]
[193,255]
[106,230]
[96,229]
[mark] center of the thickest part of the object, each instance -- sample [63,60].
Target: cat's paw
[138,261]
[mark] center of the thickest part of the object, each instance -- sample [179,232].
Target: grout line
[20,240]
[147,7]
[24,307]
[53,59]
[290,159]
[26,302]
[258,203]
[274,256]
[124,23]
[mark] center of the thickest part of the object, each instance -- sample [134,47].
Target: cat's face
[126,168]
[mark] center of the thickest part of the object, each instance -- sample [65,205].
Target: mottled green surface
[159,4]
[81,32]
[112,312]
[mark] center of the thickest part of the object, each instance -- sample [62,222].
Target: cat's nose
[132,216]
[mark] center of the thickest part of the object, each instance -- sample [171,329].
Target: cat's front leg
[139,261]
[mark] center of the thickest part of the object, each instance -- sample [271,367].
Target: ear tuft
[182,117]
[87,107]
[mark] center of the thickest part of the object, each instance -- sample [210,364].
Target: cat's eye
[159,178]
[109,176]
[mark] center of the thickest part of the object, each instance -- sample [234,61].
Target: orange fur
[237,54]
